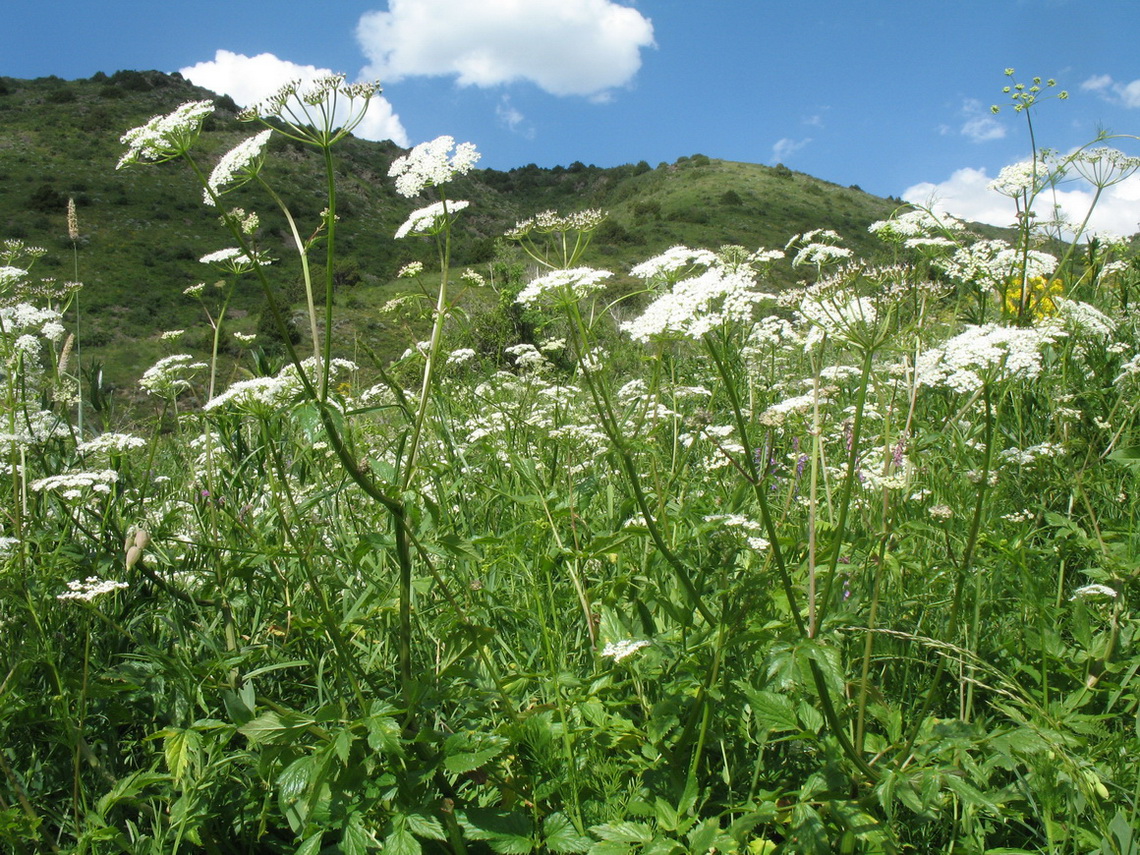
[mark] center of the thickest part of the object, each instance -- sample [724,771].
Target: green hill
[143,230]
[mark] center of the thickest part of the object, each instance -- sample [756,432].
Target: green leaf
[506,833]
[624,832]
[773,712]
[423,825]
[312,844]
[294,781]
[274,729]
[400,841]
[354,840]
[457,764]
[561,835]
[181,748]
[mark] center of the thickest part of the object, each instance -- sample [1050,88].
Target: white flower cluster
[1019,179]
[460,356]
[77,485]
[777,414]
[10,276]
[673,261]
[915,224]
[1084,319]
[981,353]
[696,305]
[165,137]
[110,443]
[619,650]
[430,220]
[574,284]
[232,258]
[171,375]
[549,222]
[992,263]
[26,318]
[1028,456]
[240,162]
[837,315]
[90,588]
[260,394]
[1094,591]
[430,164]
[1102,166]
[528,357]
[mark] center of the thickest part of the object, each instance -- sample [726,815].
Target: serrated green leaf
[457,764]
[180,748]
[312,844]
[609,847]
[773,712]
[400,841]
[354,840]
[294,781]
[623,832]
[561,835]
[274,729]
[506,833]
[423,825]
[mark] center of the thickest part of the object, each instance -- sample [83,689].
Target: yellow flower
[1042,296]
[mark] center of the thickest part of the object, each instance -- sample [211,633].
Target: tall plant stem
[818,678]
[964,565]
[609,423]
[848,483]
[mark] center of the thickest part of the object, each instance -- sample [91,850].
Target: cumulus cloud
[565,47]
[787,146]
[1125,94]
[980,125]
[965,194]
[249,79]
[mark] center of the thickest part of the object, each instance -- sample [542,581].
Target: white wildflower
[237,166]
[1094,591]
[90,588]
[432,219]
[574,283]
[619,650]
[165,137]
[430,164]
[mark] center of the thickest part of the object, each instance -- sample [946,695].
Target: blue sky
[893,96]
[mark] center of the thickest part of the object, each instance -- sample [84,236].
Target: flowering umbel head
[320,112]
[430,164]
[165,137]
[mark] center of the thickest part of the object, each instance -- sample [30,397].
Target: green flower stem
[609,424]
[330,259]
[964,566]
[754,476]
[848,483]
[303,255]
[432,357]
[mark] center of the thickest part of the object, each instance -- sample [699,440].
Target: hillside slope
[143,229]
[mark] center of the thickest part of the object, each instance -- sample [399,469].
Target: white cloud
[565,47]
[787,146]
[1125,94]
[980,125]
[965,195]
[249,79]
[513,119]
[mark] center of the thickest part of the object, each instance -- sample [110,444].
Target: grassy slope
[143,229]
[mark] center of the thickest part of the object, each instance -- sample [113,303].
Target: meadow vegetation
[784,549]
